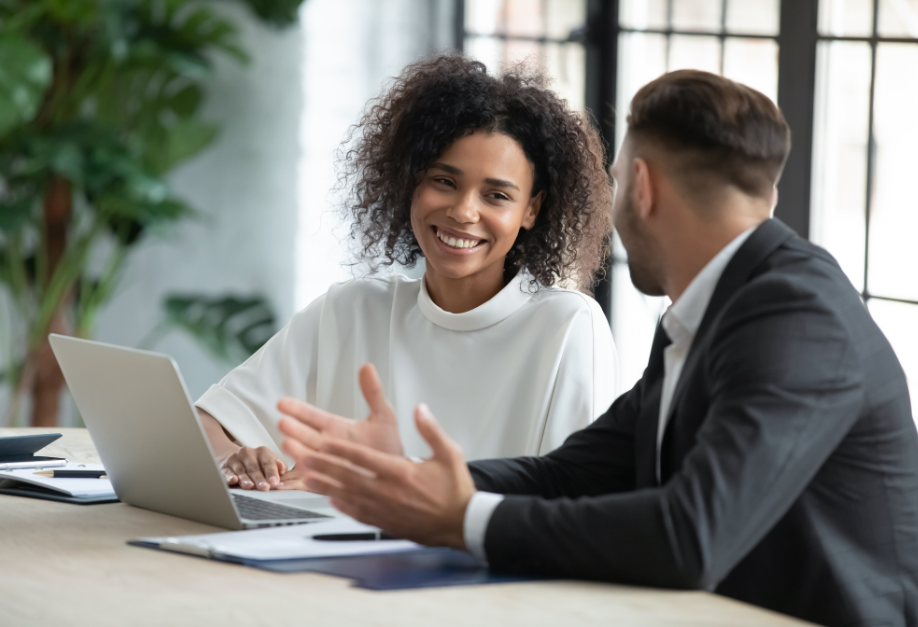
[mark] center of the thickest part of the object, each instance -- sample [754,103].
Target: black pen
[73,474]
[353,537]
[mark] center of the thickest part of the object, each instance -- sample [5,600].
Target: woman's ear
[532,211]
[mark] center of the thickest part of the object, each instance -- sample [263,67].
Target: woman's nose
[465,210]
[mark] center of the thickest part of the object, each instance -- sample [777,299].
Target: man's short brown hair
[716,129]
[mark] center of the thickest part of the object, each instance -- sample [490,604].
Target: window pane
[510,17]
[753,62]
[633,325]
[483,16]
[641,58]
[565,64]
[897,321]
[700,15]
[563,16]
[643,14]
[694,52]
[852,18]
[898,18]
[840,154]
[894,211]
[753,16]
[488,50]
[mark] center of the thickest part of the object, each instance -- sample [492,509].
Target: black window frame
[798,38]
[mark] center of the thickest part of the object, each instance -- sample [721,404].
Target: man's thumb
[440,443]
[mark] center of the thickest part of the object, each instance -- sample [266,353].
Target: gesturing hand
[424,502]
[313,425]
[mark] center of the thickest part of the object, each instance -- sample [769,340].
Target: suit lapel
[648,421]
[763,241]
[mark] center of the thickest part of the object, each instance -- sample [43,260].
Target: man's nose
[465,210]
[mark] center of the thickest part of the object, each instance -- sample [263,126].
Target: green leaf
[276,12]
[25,73]
[167,147]
[13,217]
[229,327]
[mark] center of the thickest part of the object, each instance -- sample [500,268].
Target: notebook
[25,482]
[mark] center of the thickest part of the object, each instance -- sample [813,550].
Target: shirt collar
[513,296]
[684,316]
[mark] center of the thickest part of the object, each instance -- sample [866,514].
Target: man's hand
[313,425]
[424,502]
[252,468]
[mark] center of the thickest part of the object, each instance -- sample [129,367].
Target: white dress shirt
[514,376]
[681,322]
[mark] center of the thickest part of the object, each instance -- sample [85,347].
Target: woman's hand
[252,468]
[312,425]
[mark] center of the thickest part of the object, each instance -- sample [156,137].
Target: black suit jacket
[789,465]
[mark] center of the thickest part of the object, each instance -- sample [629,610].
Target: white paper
[70,487]
[287,542]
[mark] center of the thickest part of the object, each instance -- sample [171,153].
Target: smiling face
[469,208]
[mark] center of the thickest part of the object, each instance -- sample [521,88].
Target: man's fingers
[372,390]
[281,467]
[440,443]
[304,412]
[299,431]
[381,464]
[353,478]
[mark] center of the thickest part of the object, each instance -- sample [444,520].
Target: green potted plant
[99,101]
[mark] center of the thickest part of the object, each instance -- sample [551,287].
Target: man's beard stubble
[644,272]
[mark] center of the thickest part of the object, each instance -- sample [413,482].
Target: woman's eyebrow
[450,169]
[501,183]
[446,168]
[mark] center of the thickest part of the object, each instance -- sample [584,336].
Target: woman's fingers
[268,464]
[230,476]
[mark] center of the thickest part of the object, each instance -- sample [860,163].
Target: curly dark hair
[431,105]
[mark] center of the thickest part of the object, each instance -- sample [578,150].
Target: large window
[842,71]
[865,209]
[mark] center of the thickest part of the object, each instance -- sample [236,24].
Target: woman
[501,188]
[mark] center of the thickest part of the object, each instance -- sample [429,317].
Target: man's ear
[532,211]
[642,189]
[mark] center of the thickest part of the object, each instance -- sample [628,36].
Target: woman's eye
[444,182]
[499,196]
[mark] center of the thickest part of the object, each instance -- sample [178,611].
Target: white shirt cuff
[475,524]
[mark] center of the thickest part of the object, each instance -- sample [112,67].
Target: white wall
[351,48]
[245,187]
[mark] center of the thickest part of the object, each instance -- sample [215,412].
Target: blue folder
[422,568]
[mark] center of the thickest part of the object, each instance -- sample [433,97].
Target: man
[768,453]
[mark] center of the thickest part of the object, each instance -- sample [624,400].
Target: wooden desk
[63,564]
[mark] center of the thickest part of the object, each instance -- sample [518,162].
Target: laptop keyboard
[257,509]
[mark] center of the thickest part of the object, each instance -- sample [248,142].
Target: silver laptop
[153,446]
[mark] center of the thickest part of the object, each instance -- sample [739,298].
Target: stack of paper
[26,482]
[281,543]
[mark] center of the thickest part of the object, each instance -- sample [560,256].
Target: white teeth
[456,243]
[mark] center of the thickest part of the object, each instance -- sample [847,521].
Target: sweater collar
[513,296]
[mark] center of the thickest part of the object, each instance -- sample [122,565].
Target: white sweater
[512,377]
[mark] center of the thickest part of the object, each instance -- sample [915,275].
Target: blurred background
[166,166]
